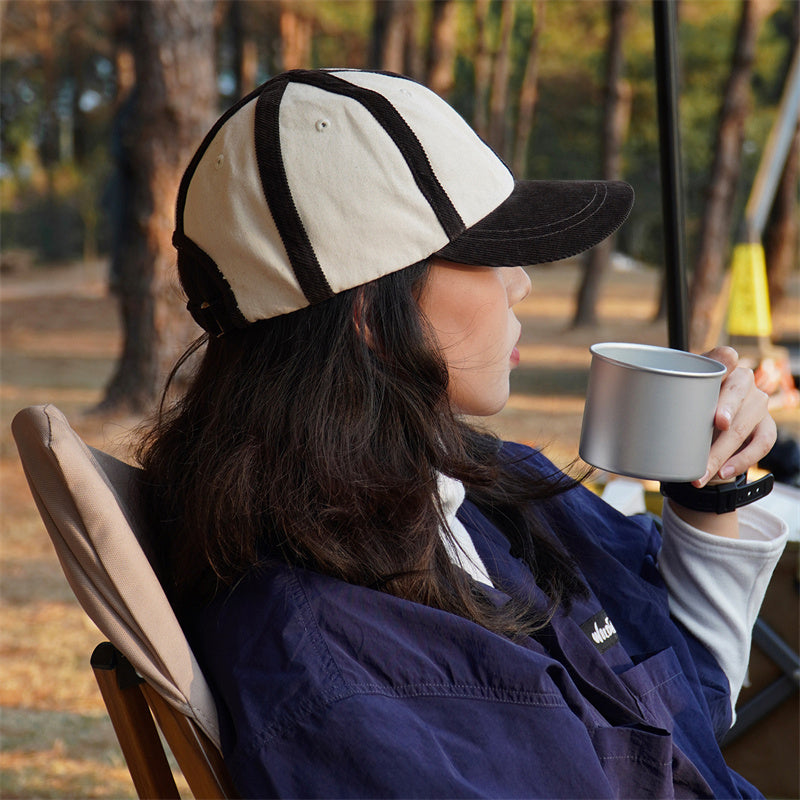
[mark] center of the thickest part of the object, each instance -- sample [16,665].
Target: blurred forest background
[104,102]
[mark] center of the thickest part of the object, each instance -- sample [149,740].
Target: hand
[744,431]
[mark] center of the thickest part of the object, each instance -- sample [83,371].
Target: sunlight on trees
[530,75]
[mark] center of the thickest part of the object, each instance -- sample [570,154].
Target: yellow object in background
[748,307]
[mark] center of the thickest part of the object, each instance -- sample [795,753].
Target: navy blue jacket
[327,689]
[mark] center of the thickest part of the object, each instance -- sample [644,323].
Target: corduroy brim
[543,221]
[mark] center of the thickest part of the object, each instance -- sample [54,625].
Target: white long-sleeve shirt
[716,585]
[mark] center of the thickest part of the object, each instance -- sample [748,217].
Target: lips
[514,357]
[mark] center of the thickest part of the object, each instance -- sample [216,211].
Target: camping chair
[147,669]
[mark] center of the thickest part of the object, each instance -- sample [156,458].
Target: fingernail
[727,472]
[701,482]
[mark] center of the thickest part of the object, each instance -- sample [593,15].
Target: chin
[486,408]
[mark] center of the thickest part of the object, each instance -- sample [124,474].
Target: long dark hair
[316,437]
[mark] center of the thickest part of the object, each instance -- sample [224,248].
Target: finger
[730,359]
[751,425]
[726,355]
[735,390]
[760,444]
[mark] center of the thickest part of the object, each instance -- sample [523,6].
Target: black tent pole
[675,274]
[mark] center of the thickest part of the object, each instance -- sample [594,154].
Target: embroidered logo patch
[600,629]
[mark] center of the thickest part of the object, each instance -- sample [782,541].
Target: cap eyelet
[322,125]
[220,160]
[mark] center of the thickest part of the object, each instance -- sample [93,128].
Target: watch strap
[719,498]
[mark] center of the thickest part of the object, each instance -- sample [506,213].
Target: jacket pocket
[659,687]
[646,763]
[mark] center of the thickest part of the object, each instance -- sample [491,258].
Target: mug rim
[712,368]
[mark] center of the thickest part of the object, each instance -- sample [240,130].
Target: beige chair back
[86,500]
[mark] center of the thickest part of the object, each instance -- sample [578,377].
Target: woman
[385,600]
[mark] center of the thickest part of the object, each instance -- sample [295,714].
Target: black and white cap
[322,180]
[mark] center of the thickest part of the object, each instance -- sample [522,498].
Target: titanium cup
[649,411]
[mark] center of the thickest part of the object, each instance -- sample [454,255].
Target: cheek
[478,394]
[474,327]
[479,367]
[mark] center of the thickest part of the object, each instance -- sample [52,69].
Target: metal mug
[649,411]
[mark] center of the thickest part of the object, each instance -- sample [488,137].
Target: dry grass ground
[60,337]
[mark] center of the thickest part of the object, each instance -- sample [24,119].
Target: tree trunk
[782,236]
[529,94]
[296,32]
[77,58]
[388,35]
[442,48]
[48,139]
[119,192]
[715,227]
[414,57]
[501,69]
[245,51]
[483,68]
[393,41]
[171,109]
[616,115]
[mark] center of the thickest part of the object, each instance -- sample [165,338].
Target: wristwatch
[719,498]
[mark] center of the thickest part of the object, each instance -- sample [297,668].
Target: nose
[519,285]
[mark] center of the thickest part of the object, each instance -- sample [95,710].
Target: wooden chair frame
[137,713]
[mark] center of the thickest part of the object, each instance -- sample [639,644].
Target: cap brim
[543,221]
